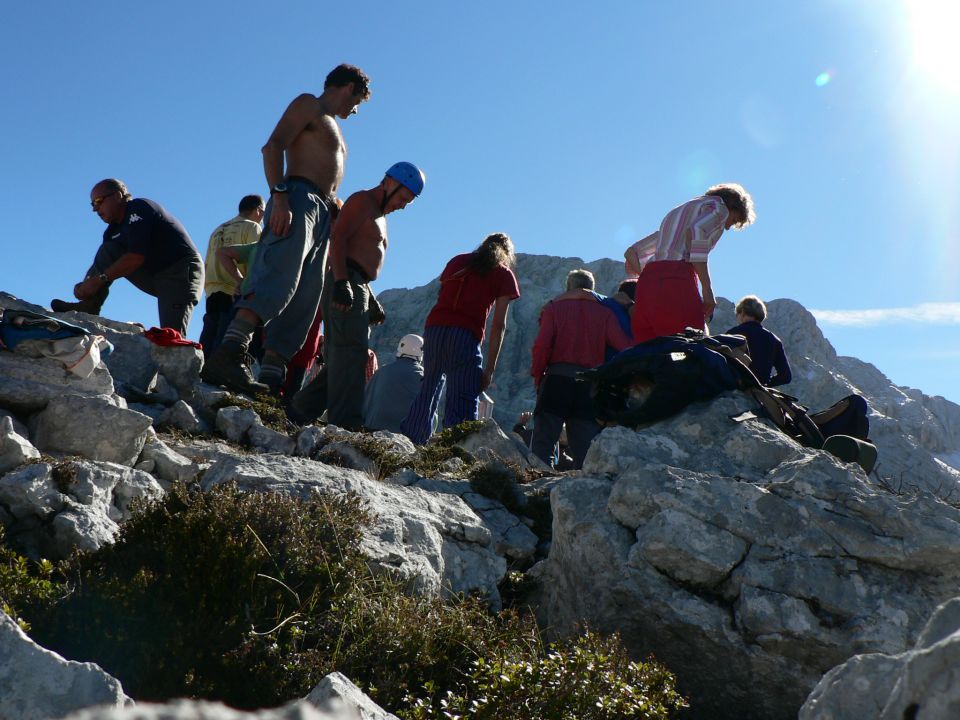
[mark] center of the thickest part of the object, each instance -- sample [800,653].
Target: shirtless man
[357,252]
[286,279]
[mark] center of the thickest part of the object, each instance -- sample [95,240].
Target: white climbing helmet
[411,346]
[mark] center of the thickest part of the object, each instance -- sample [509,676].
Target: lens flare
[823,78]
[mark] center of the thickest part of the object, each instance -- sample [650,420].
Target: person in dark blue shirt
[766,349]
[147,245]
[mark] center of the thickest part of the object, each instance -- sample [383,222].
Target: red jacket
[575,328]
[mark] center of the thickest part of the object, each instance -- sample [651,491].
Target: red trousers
[667,300]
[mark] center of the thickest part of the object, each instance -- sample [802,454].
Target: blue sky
[572,127]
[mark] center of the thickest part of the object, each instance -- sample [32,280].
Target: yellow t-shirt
[239,231]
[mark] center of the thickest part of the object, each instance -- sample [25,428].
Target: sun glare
[936,50]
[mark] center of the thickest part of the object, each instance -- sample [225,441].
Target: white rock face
[75,504]
[338,696]
[37,684]
[433,541]
[919,683]
[15,449]
[94,427]
[748,564]
[200,710]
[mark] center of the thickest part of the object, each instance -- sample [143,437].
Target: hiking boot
[229,367]
[91,306]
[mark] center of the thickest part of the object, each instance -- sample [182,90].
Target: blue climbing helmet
[408,175]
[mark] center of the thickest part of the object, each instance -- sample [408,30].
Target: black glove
[375,311]
[343,293]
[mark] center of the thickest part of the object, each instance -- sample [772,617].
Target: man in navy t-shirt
[766,349]
[148,246]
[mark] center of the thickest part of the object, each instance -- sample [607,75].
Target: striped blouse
[688,233]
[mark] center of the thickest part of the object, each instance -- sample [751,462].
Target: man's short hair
[580,279]
[737,199]
[753,307]
[344,75]
[250,202]
[629,288]
[115,185]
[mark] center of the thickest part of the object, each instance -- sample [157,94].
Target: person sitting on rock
[470,286]
[766,349]
[575,330]
[394,387]
[147,245]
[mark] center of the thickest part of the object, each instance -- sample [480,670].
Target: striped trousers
[451,356]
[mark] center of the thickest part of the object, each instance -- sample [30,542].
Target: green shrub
[497,481]
[587,678]
[170,607]
[24,583]
[252,598]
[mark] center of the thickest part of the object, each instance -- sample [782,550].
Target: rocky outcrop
[36,684]
[748,564]
[51,509]
[919,683]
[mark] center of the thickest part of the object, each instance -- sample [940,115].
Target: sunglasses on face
[97,202]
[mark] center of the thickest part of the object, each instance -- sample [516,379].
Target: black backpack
[675,370]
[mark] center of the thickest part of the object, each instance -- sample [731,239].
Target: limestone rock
[74,504]
[508,447]
[433,542]
[14,448]
[746,563]
[183,417]
[918,683]
[37,684]
[18,427]
[92,427]
[202,710]
[234,422]
[168,465]
[28,384]
[180,365]
[341,698]
[271,441]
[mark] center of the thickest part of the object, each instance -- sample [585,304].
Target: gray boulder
[919,683]
[202,710]
[233,422]
[183,417]
[748,564]
[14,448]
[93,427]
[37,684]
[76,504]
[338,696]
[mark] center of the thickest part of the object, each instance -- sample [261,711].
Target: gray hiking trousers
[177,287]
[287,275]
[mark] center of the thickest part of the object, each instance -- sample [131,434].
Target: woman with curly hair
[671,261]
[470,286]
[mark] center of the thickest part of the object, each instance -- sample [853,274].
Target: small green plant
[24,583]
[497,481]
[453,435]
[589,677]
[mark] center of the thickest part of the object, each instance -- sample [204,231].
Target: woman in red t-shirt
[470,286]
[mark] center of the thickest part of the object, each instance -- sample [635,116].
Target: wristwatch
[279,188]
